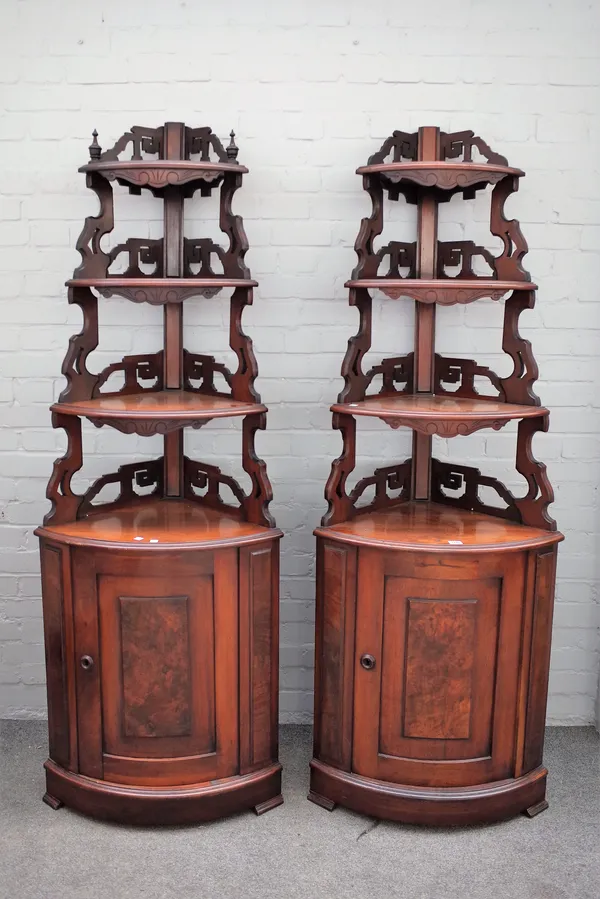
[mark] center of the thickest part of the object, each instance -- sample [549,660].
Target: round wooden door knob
[86,662]
[367,661]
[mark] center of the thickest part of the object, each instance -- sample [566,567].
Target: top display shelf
[160,173]
[441,175]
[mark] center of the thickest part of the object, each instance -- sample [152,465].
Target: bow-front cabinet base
[431,676]
[162,677]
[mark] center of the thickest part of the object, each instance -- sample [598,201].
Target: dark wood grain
[160,581]
[434,580]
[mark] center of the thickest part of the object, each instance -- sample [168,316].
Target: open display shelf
[161,605]
[434,606]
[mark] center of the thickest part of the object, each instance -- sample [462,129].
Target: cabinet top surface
[160,404]
[426,406]
[152,524]
[431,526]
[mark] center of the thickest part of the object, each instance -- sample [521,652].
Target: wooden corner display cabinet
[161,605]
[434,608]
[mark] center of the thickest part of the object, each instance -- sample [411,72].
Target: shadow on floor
[300,851]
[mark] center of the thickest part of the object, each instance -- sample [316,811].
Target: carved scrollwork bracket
[81,383]
[94,261]
[256,503]
[370,228]
[355,380]
[508,265]
[533,507]
[65,504]
[242,380]
[233,226]
[518,386]
[339,502]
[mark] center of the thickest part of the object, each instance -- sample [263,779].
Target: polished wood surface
[442,174]
[432,526]
[434,581]
[431,408]
[151,523]
[165,404]
[161,581]
[163,165]
[443,291]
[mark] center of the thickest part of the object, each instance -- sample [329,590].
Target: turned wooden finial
[95,148]
[232,149]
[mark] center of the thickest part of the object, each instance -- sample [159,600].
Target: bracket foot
[534,810]
[266,806]
[325,803]
[52,801]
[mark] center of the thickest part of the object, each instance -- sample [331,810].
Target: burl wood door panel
[158,704]
[439,706]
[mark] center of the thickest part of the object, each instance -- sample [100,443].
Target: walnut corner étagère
[161,603]
[434,602]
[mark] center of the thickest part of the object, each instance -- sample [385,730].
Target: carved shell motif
[445,427]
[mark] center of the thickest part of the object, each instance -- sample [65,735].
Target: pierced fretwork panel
[201,141]
[463,372]
[139,251]
[198,256]
[453,253]
[401,146]
[135,370]
[202,369]
[401,259]
[459,486]
[204,482]
[461,143]
[133,480]
[391,486]
[394,371]
[142,140]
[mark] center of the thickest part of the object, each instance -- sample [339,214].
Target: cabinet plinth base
[191,804]
[433,806]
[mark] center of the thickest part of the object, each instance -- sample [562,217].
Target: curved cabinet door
[436,667]
[157,665]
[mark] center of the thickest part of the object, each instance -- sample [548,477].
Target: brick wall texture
[311,89]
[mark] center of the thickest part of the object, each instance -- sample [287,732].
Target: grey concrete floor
[300,851]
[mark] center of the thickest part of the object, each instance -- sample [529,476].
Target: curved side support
[518,386]
[233,226]
[339,503]
[256,503]
[508,266]
[534,506]
[94,262]
[242,380]
[81,383]
[65,503]
[355,380]
[370,228]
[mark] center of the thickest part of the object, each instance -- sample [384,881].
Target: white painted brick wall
[311,88]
